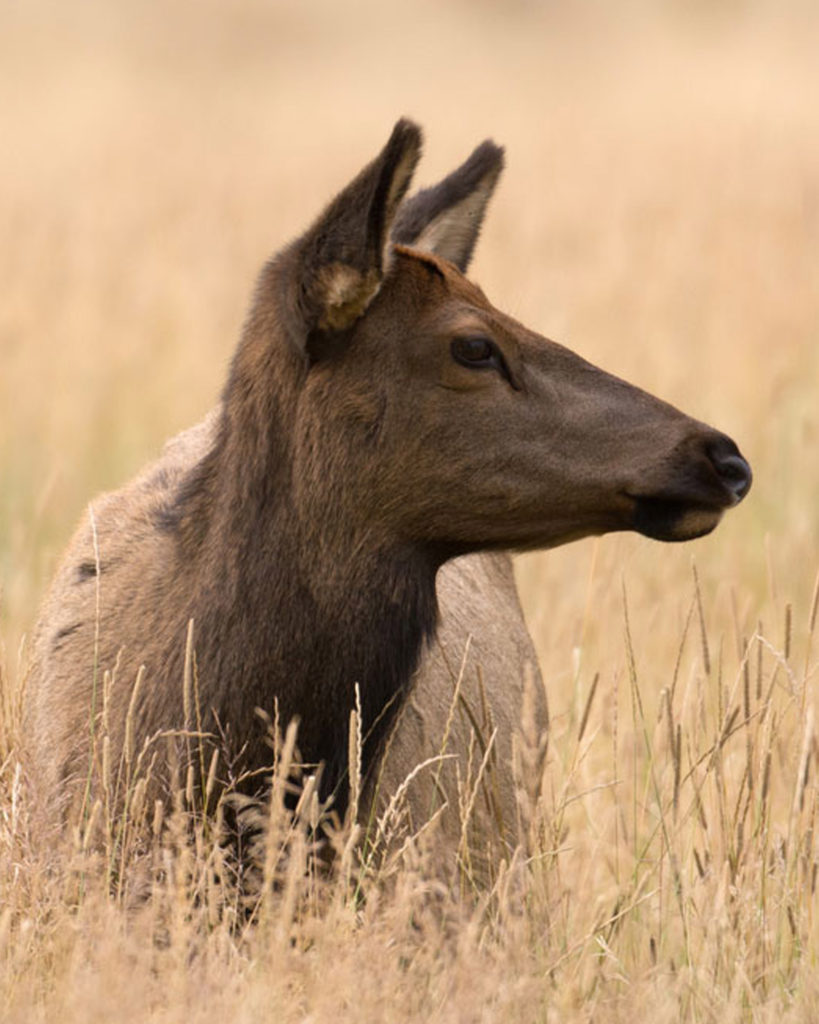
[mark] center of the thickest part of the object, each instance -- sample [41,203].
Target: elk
[385,434]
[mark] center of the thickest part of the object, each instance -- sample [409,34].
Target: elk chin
[672,520]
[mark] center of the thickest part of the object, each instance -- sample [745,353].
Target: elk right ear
[333,272]
[446,219]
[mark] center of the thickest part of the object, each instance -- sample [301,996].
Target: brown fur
[352,459]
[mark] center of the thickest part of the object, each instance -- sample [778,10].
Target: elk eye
[475,352]
[480,353]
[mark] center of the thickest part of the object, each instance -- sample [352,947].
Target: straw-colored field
[660,214]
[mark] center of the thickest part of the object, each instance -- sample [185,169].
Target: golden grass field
[660,214]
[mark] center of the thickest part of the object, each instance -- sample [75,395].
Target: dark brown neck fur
[292,612]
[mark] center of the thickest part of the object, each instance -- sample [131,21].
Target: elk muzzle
[710,476]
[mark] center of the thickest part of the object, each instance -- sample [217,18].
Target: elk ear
[333,272]
[446,219]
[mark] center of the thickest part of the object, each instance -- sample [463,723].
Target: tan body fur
[482,646]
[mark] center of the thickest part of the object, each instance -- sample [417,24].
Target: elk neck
[291,611]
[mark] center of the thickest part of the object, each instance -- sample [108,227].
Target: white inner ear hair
[452,232]
[345,294]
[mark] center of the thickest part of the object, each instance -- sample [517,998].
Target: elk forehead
[445,297]
[456,283]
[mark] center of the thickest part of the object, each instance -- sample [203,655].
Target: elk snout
[705,476]
[733,471]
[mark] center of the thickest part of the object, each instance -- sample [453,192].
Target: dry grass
[660,213]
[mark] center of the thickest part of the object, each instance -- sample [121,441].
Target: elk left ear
[333,272]
[446,219]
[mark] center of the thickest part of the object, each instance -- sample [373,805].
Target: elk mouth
[674,518]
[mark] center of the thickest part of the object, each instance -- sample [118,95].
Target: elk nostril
[732,469]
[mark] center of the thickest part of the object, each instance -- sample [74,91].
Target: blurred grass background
[659,214]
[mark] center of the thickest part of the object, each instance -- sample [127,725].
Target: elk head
[426,417]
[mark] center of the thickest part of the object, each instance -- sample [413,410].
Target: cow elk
[333,533]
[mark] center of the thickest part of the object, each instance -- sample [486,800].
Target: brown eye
[475,352]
